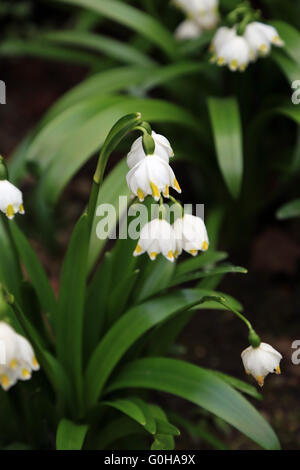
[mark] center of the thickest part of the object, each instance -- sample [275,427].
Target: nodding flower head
[197,8]
[152,175]
[261,361]
[190,234]
[232,51]
[17,358]
[156,237]
[11,199]
[188,29]
[260,38]
[163,150]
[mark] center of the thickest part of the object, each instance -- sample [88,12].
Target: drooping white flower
[152,175]
[261,361]
[222,35]
[17,358]
[196,8]
[191,235]
[11,199]
[156,237]
[188,29]
[234,52]
[260,38]
[163,149]
[209,20]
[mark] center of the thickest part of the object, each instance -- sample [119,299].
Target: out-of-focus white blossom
[260,38]
[231,49]
[188,29]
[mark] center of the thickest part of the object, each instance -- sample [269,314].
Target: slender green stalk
[120,130]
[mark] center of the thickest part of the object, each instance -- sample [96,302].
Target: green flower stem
[253,337]
[178,204]
[120,130]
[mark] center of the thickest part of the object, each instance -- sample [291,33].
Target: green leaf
[163,442]
[103,83]
[198,431]
[35,271]
[85,141]
[117,429]
[239,384]
[113,186]
[69,325]
[206,273]
[120,295]
[227,130]
[70,436]
[289,67]
[96,304]
[10,274]
[154,277]
[289,210]
[129,408]
[132,18]
[125,332]
[201,387]
[208,258]
[150,425]
[99,43]
[37,48]
[291,37]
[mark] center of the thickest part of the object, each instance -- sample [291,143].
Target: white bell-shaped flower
[222,35]
[235,52]
[261,361]
[163,149]
[188,29]
[17,358]
[156,237]
[196,8]
[190,234]
[260,38]
[11,199]
[209,20]
[152,175]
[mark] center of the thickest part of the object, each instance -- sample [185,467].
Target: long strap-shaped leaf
[131,326]
[111,47]
[133,18]
[70,436]
[201,387]
[36,272]
[227,130]
[69,325]
[291,39]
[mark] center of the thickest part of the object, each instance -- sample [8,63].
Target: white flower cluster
[201,15]
[152,175]
[11,200]
[236,51]
[17,358]
[260,361]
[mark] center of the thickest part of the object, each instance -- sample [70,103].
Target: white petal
[188,29]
